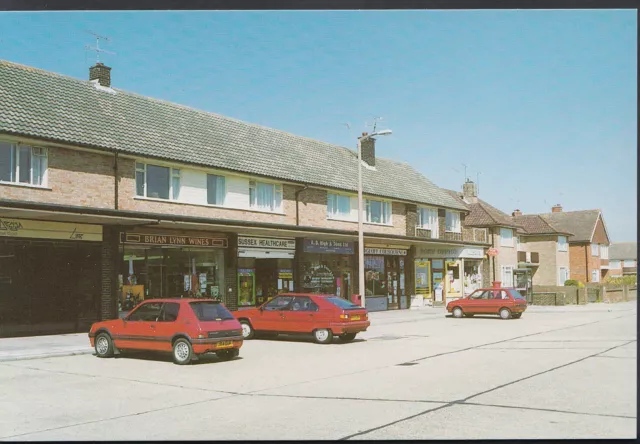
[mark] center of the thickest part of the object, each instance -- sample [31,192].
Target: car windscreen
[210,311]
[343,303]
[516,294]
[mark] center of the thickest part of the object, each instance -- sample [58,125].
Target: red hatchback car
[504,302]
[184,327]
[323,316]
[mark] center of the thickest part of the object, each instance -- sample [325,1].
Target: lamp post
[360,230]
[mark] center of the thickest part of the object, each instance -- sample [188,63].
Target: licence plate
[355,318]
[224,344]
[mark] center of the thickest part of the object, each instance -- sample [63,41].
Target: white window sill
[25,185]
[222,207]
[340,219]
[379,224]
[506,246]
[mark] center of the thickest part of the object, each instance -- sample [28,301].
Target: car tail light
[344,316]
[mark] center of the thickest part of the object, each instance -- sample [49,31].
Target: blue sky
[542,103]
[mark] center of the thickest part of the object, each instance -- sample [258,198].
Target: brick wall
[74,178]
[411,219]
[578,261]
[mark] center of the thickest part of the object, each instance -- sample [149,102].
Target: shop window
[338,206]
[23,164]
[428,220]
[216,189]
[452,222]
[265,196]
[375,282]
[378,212]
[157,182]
[472,276]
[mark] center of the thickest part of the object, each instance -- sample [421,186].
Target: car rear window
[343,303]
[516,294]
[210,311]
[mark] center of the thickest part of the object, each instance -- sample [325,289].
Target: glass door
[393,282]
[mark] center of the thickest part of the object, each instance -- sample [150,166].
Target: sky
[541,106]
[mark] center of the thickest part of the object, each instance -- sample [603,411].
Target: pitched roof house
[623,258]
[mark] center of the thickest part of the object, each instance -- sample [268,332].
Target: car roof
[184,300]
[313,295]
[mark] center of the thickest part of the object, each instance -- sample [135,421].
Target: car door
[495,301]
[475,303]
[299,318]
[271,316]
[136,328]
[163,329]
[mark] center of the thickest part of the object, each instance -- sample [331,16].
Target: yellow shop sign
[37,229]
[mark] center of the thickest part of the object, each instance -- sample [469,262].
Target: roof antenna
[465,172]
[478,183]
[97,48]
[375,123]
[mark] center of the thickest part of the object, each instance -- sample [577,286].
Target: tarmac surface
[558,372]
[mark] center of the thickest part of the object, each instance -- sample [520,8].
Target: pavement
[558,372]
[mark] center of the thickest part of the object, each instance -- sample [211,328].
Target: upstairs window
[594,250]
[628,263]
[338,206]
[562,243]
[378,212]
[265,196]
[506,237]
[604,252]
[157,182]
[23,164]
[216,189]
[428,220]
[452,222]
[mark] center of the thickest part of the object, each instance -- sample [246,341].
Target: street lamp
[360,231]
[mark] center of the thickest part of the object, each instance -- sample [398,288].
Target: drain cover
[404,364]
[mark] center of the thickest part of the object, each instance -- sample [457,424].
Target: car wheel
[347,337]
[323,336]
[468,315]
[457,312]
[247,330]
[228,355]
[182,352]
[505,313]
[516,316]
[104,346]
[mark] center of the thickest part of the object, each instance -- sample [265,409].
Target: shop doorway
[261,279]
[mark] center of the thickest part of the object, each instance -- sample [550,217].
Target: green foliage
[573,283]
[624,280]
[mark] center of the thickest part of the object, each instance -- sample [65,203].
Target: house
[623,259]
[588,243]
[543,249]
[107,196]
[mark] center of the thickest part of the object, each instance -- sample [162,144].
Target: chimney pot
[557,208]
[470,191]
[101,73]
[364,133]
[516,213]
[368,148]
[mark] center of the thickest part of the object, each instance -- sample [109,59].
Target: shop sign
[264,242]
[317,277]
[450,252]
[385,252]
[49,230]
[285,273]
[177,240]
[492,252]
[328,246]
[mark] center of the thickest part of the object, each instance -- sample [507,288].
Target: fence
[557,295]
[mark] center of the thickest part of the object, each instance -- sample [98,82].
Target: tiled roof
[535,224]
[580,223]
[623,250]
[45,105]
[482,214]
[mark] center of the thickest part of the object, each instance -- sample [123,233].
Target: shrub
[624,280]
[573,283]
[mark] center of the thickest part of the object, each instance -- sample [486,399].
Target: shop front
[170,265]
[49,276]
[327,267]
[265,268]
[385,277]
[447,273]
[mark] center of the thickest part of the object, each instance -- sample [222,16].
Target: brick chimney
[368,147]
[101,73]
[470,192]
[516,213]
[557,208]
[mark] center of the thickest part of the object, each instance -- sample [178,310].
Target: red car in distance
[185,328]
[504,302]
[323,316]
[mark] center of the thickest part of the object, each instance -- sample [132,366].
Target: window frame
[595,273]
[35,152]
[278,196]
[335,214]
[174,173]
[457,219]
[503,269]
[562,246]
[604,252]
[624,263]
[387,210]
[595,251]
[434,226]
[224,197]
[502,237]
[561,282]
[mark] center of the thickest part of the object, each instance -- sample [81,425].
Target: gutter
[297,194]
[116,180]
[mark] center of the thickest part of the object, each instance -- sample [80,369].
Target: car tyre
[323,336]
[104,346]
[228,355]
[247,330]
[182,351]
[347,337]
[505,313]
[457,312]
[516,316]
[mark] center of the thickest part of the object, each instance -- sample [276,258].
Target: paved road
[558,372]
